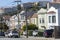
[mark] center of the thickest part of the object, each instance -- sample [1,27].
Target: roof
[34,15]
[22,12]
[42,10]
[6,17]
[54,4]
[51,10]
[29,13]
[56,1]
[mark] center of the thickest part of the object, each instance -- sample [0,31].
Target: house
[54,4]
[23,15]
[56,0]
[1,11]
[22,19]
[53,17]
[42,21]
[13,22]
[34,19]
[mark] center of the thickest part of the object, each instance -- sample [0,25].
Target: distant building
[1,11]
[54,4]
[58,1]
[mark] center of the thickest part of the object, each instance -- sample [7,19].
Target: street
[24,38]
[29,38]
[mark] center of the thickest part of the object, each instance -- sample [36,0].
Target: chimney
[47,5]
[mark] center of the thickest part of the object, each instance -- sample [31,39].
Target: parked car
[24,33]
[48,33]
[12,34]
[2,33]
[35,33]
[15,34]
[6,34]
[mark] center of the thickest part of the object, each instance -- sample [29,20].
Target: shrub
[3,27]
[40,33]
[30,33]
[30,27]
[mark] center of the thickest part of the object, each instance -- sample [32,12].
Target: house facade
[34,19]
[56,0]
[42,21]
[53,17]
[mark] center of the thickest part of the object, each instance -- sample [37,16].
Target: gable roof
[42,10]
[6,17]
[29,13]
[51,10]
[22,12]
[34,15]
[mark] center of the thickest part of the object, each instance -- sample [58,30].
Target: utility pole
[26,24]
[26,21]
[18,1]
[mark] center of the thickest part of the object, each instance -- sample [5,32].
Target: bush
[3,27]
[40,33]
[30,33]
[30,27]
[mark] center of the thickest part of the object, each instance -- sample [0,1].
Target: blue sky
[6,3]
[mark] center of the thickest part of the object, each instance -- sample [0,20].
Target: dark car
[48,33]
[13,34]
[2,33]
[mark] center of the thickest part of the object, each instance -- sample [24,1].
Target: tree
[3,27]
[30,27]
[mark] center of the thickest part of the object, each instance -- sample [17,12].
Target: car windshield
[49,30]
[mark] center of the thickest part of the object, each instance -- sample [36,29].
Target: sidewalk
[36,38]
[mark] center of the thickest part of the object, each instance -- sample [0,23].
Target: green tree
[30,27]
[3,27]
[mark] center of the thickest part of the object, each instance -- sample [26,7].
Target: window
[42,20]
[49,19]
[22,17]
[53,19]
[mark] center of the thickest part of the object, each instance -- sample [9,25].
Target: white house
[53,17]
[14,20]
[42,23]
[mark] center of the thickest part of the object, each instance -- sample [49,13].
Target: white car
[35,33]
[24,33]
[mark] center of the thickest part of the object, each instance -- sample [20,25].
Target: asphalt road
[29,38]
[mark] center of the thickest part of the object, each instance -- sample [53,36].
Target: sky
[8,3]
